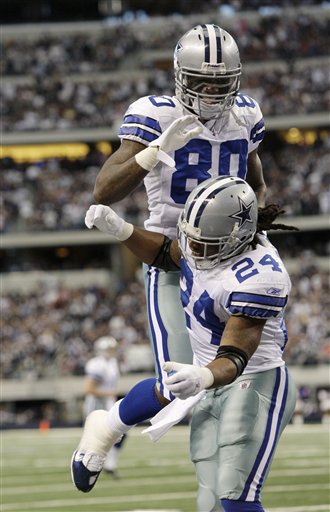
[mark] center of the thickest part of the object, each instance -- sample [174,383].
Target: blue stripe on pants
[255,479]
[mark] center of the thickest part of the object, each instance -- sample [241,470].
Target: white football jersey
[222,151]
[254,284]
[106,374]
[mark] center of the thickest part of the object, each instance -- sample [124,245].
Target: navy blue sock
[140,403]
[241,506]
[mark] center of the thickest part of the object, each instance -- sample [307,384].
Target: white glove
[107,221]
[187,380]
[174,137]
[177,135]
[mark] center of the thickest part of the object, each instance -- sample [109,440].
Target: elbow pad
[163,259]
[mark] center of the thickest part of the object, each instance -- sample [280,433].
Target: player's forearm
[223,370]
[260,192]
[255,178]
[116,181]
[239,341]
[144,244]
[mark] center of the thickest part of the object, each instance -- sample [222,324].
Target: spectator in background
[323,396]
[102,374]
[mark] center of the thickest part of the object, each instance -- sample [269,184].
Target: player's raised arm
[126,168]
[150,247]
[120,174]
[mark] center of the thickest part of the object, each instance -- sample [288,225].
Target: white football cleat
[88,460]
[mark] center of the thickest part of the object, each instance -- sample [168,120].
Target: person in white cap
[102,374]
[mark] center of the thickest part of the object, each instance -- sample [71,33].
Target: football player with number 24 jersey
[234,290]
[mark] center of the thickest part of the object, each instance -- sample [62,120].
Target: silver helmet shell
[220,215]
[207,70]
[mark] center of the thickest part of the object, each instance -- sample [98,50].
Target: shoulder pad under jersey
[249,111]
[146,118]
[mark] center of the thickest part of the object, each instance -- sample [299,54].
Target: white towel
[171,415]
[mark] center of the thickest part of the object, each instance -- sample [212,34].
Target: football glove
[185,380]
[107,221]
[174,137]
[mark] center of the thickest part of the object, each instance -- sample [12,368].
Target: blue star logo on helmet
[244,213]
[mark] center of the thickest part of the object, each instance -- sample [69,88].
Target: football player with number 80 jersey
[212,153]
[174,143]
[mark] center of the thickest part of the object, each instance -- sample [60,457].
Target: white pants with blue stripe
[234,433]
[167,328]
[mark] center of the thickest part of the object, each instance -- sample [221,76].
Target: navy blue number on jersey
[246,267]
[250,303]
[161,101]
[203,307]
[194,161]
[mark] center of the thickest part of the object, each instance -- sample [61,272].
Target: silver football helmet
[207,70]
[218,221]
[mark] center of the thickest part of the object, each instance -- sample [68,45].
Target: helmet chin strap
[220,119]
[206,264]
[219,122]
[205,111]
[216,120]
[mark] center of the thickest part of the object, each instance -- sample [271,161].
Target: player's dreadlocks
[267,215]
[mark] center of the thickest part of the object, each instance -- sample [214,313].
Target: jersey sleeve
[140,123]
[257,131]
[257,301]
[92,370]
[249,110]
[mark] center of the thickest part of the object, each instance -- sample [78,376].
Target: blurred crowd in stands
[307,314]
[54,194]
[62,104]
[52,82]
[268,37]
[70,320]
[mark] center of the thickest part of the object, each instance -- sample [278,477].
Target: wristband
[147,158]
[236,355]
